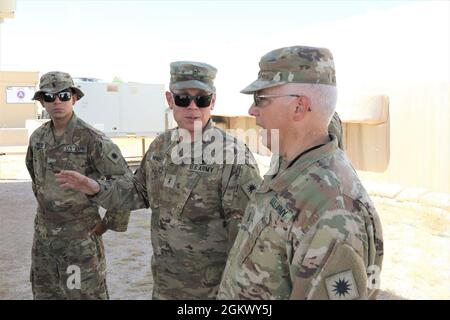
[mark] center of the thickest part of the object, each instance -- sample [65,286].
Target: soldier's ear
[213,101]
[169,99]
[301,108]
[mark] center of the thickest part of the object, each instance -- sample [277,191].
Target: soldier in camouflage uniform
[335,128]
[68,259]
[311,231]
[196,201]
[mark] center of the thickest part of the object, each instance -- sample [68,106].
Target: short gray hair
[323,98]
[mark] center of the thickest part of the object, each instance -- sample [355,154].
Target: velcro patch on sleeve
[113,156]
[169,180]
[342,277]
[342,286]
[249,188]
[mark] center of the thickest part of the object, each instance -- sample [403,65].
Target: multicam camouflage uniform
[64,217]
[335,127]
[309,227]
[310,231]
[195,211]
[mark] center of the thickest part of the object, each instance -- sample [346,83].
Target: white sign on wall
[20,94]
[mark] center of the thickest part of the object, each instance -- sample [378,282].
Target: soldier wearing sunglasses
[311,230]
[68,259]
[196,205]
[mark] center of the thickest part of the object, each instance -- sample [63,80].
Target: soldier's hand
[99,229]
[74,180]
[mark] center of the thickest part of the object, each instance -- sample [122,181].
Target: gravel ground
[128,254]
[416,264]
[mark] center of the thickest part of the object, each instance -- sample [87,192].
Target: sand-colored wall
[14,115]
[409,147]
[419,138]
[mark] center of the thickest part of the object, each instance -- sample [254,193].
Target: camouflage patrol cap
[192,75]
[54,82]
[297,64]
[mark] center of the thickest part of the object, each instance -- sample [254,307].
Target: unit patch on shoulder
[249,189]
[342,286]
[113,156]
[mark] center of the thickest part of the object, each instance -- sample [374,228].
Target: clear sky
[136,40]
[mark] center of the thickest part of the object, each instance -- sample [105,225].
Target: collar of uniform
[68,133]
[48,138]
[206,134]
[287,176]
[47,134]
[174,138]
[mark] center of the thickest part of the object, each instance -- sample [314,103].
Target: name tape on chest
[73,148]
[202,168]
[279,207]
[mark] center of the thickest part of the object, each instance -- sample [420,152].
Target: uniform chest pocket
[204,201]
[77,162]
[269,227]
[176,187]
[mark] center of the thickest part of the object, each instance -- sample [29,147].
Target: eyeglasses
[184,100]
[64,95]
[257,98]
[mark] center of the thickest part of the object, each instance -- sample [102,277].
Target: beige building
[397,137]
[16,90]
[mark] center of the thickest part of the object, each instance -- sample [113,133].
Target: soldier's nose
[192,105]
[253,110]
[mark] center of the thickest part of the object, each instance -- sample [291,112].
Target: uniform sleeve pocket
[254,230]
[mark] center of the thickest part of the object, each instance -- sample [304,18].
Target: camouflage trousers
[173,281]
[65,267]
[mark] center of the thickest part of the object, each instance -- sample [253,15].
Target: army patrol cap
[192,75]
[297,64]
[54,82]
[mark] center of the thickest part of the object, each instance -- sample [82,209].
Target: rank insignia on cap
[342,286]
[195,73]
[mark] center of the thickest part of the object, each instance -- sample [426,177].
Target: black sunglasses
[64,95]
[184,100]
